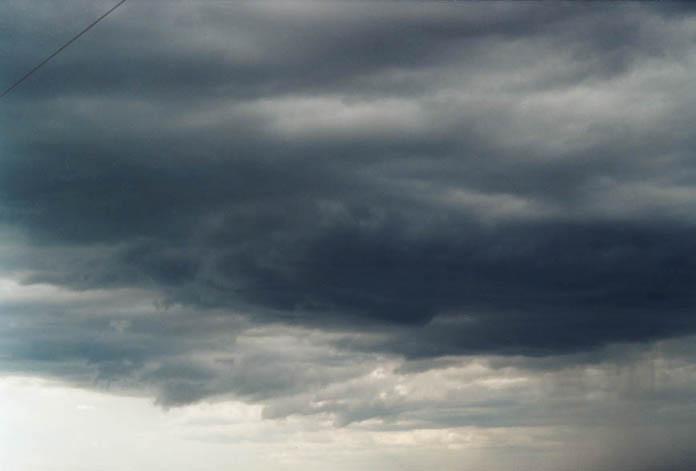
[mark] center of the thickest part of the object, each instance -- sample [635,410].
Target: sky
[348,235]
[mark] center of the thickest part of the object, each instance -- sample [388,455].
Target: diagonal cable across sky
[60,49]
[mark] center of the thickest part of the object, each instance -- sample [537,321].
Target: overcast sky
[348,235]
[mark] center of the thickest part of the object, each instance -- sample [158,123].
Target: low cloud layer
[272,202]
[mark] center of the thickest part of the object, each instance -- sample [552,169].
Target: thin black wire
[58,51]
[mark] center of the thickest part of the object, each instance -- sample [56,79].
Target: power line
[60,49]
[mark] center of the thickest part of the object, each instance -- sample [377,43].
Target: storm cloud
[268,201]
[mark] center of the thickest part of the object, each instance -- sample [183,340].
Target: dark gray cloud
[406,179]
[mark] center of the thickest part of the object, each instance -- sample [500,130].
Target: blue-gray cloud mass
[417,180]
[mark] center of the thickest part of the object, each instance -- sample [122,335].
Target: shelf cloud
[401,216]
